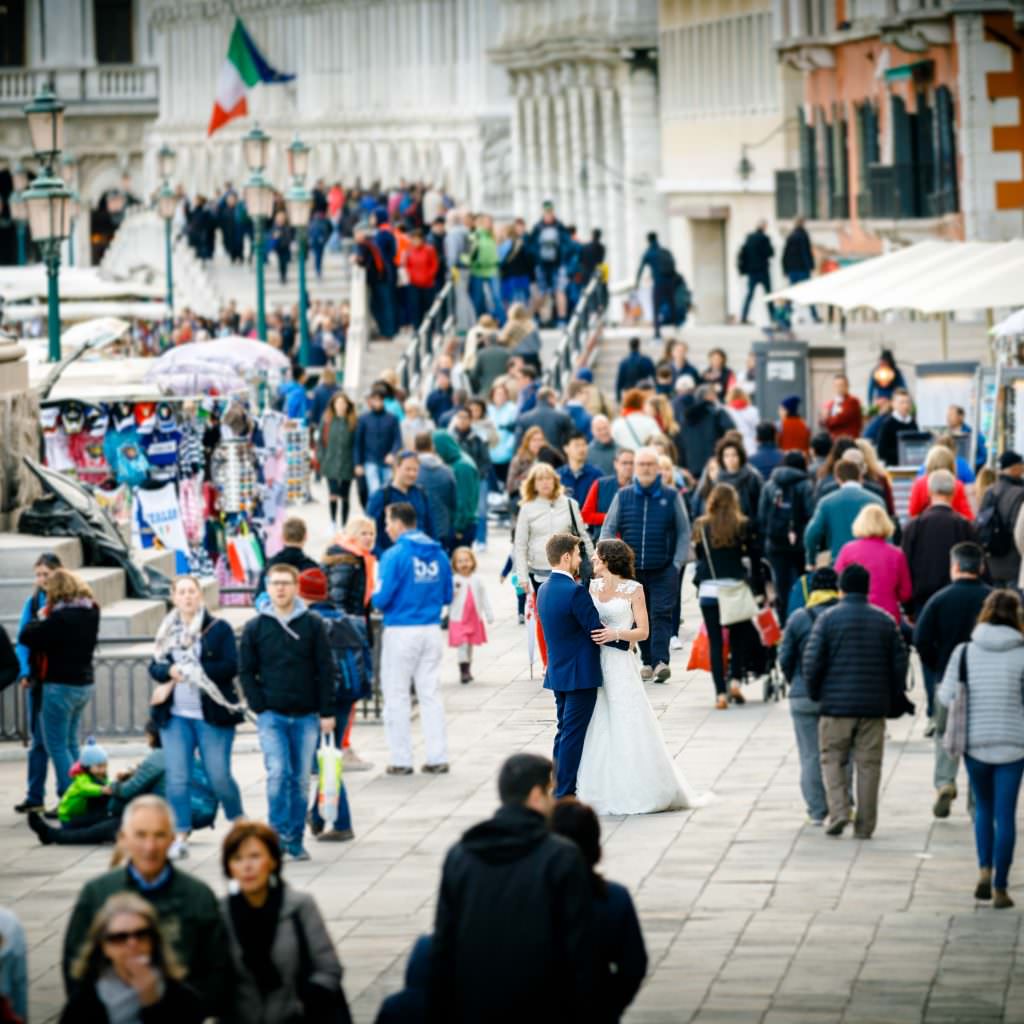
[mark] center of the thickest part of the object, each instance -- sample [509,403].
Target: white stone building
[726,127]
[584,85]
[384,90]
[99,57]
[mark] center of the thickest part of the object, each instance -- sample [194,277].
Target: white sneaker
[178,850]
[675,644]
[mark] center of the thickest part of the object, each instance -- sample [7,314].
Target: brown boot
[464,673]
[1001,899]
[983,890]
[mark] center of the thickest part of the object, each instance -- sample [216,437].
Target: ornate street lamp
[299,202]
[298,160]
[259,203]
[165,161]
[167,203]
[19,212]
[48,202]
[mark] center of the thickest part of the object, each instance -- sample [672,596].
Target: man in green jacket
[483,263]
[467,487]
[187,907]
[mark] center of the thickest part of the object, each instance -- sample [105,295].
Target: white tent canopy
[931,277]
[76,312]
[20,284]
[1011,327]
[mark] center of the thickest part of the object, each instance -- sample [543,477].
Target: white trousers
[411,655]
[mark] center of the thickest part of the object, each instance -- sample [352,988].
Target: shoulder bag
[736,601]
[586,566]
[954,741]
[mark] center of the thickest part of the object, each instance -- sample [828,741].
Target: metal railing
[439,322]
[585,317]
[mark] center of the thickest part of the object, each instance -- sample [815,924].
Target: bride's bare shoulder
[628,587]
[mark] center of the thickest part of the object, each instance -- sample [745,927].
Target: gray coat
[282,1006]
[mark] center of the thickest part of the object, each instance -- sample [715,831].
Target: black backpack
[666,263]
[994,534]
[781,527]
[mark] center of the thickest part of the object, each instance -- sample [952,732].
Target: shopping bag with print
[768,628]
[328,759]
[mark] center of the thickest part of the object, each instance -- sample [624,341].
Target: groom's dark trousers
[568,617]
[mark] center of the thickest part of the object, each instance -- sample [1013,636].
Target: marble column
[580,214]
[610,157]
[564,199]
[544,163]
[518,144]
[591,150]
[641,158]
[528,145]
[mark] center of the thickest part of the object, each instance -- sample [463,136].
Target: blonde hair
[939,457]
[873,521]
[871,460]
[529,487]
[357,523]
[986,477]
[92,961]
[65,585]
[464,551]
[665,416]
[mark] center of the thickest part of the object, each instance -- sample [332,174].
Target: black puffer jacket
[704,424]
[855,662]
[514,930]
[346,580]
[791,489]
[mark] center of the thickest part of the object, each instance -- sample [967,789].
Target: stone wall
[19,434]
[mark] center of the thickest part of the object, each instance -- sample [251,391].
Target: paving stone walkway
[748,914]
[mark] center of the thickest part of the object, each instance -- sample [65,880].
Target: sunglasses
[120,938]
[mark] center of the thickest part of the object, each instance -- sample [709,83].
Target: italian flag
[243,68]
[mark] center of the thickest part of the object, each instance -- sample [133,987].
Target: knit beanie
[92,754]
[313,585]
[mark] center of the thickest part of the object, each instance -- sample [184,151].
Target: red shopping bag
[768,627]
[700,652]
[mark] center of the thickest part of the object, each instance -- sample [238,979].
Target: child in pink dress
[468,610]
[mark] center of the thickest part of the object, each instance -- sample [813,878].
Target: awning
[20,284]
[1011,327]
[930,277]
[76,312]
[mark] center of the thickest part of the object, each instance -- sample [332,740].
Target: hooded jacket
[467,479]
[438,483]
[513,933]
[286,664]
[415,581]
[410,1005]
[705,424]
[790,486]
[794,639]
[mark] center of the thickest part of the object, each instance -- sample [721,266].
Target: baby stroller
[765,658]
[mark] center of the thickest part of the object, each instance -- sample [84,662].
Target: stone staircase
[612,348]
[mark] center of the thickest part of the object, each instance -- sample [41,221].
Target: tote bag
[954,741]
[735,600]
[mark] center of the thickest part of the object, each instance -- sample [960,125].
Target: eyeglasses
[120,938]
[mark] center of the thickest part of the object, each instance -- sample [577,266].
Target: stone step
[132,617]
[159,559]
[107,585]
[19,551]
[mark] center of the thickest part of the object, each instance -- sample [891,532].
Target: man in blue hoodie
[414,584]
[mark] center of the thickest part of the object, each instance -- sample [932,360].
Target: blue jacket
[378,435]
[579,485]
[296,401]
[653,522]
[414,581]
[29,610]
[580,418]
[391,495]
[440,401]
[634,368]
[568,617]
[765,458]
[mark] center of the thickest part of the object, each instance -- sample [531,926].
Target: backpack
[781,525]
[353,660]
[995,535]
[665,264]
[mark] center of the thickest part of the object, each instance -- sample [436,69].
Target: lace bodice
[613,604]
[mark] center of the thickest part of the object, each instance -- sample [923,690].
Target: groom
[568,617]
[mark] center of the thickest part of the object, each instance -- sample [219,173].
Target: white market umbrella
[1011,327]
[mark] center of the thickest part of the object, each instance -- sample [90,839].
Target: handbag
[954,742]
[735,600]
[700,652]
[319,1004]
[767,625]
[586,566]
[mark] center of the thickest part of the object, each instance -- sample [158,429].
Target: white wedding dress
[626,767]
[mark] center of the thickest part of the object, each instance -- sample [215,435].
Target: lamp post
[259,201]
[299,203]
[19,214]
[167,203]
[48,201]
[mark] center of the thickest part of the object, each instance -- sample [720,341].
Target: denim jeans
[343,819]
[805,724]
[377,475]
[660,588]
[481,510]
[180,738]
[37,759]
[995,787]
[288,743]
[764,279]
[61,717]
[484,294]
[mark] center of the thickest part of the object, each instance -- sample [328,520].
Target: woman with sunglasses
[127,972]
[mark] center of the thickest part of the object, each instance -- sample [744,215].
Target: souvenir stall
[189,457]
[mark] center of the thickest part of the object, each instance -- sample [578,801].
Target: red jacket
[421,262]
[920,499]
[848,422]
[795,435]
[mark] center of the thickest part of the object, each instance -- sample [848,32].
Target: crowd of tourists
[786,511]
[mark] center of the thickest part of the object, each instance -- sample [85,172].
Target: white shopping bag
[328,759]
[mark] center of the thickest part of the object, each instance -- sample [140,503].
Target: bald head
[601,429]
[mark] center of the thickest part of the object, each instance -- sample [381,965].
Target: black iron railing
[438,324]
[585,317]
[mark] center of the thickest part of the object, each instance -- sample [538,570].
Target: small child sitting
[85,801]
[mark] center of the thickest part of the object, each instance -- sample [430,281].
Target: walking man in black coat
[855,664]
[755,264]
[514,931]
[798,258]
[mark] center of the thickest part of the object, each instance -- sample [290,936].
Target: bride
[626,767]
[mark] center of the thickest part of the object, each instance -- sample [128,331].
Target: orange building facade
[911,124]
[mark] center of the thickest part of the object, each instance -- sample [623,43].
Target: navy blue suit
[568,616]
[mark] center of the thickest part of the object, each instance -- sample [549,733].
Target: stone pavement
[748,914]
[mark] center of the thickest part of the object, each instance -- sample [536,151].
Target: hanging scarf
[255,928]
[177,641]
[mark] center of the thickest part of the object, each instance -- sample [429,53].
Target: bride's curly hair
[619,558]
